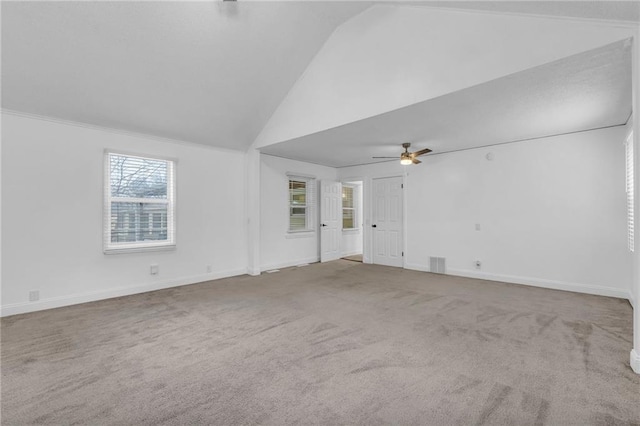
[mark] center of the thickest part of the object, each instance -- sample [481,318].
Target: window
[301,201]
[629,188]
[348,207]
[139,203]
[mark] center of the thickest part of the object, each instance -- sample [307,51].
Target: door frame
[367,212]
[360,207]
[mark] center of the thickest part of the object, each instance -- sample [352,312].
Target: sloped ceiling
[204,72]
[390,56]
[585,91]
[230,74]
[610,10]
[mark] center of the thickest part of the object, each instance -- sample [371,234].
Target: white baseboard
[634,360]
[253,271]
[74,299]
[535,282]
[289,263]
[416,267]
[350,253]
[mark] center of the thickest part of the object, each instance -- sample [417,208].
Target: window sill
[351,231]
[300,234]
[124,250]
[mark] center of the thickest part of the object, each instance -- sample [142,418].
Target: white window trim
[310,206]
[356,225]
[143,246]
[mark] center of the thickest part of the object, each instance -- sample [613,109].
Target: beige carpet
[338,343]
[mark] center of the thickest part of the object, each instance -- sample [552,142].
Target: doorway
[352,220]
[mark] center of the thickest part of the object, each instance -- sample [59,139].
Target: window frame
[308,206]
[139,246]
[354,209]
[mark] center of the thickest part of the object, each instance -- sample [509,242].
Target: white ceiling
[627,11]
[586,91]
[214,72]
[204,72]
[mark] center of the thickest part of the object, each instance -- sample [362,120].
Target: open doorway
[352,221]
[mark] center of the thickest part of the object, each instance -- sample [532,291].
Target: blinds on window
[139,208]
[348,207]
[302,202]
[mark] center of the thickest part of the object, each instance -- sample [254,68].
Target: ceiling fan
[407,157]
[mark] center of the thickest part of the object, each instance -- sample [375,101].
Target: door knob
[374,226]
[324,224]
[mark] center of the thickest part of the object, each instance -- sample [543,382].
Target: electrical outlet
[34,295]
[478,264]
[209,269]
[154,269]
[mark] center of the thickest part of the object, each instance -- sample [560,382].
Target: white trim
[134,248]
[350,253]
[538,282]
[534,282]
[300,175]
[290,263]
[300,234]
[355,209]
[416,267]
[634,361]
[171,203]
[74,299]
[114,130]
[351,231]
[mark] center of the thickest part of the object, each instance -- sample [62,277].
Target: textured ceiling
[204,72]
[585,91]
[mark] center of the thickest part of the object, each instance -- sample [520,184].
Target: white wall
[352,239]
[552,212]
[52,216]
[278,248]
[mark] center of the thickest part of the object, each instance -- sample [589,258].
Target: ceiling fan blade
[384,157]
[416,161]
[421,152]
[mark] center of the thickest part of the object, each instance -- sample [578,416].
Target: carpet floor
[354,258]
[335,343]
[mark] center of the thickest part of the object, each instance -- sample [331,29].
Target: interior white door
[387,221]
[330,220]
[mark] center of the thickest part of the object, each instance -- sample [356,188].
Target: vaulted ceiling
[295,78]
[586,91]
[204,72]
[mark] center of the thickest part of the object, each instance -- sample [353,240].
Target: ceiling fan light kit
[407,157]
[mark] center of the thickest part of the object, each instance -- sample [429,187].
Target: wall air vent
[437,265]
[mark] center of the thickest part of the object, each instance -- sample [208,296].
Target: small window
[629,160]
[348,207]
[139,203]
[300,203]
